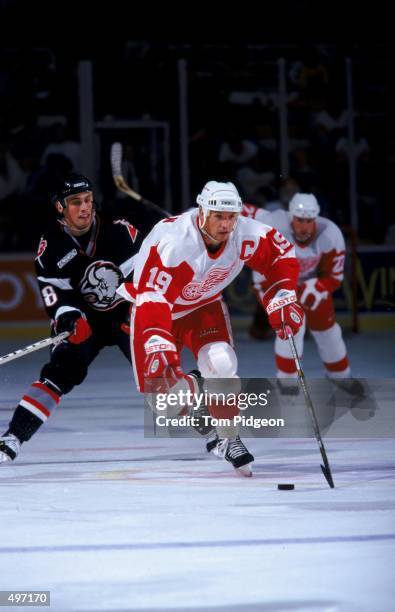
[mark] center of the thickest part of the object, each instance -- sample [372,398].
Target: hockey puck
[285,487]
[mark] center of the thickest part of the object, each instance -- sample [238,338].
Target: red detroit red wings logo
[308,264]
[193,290]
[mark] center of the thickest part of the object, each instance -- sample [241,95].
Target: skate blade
[244,471]
[4,458]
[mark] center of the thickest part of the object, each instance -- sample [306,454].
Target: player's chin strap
[205,232]
[326,470]
[75,235]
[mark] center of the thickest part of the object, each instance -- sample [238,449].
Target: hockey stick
[121,184]
[34,347]
[326,470]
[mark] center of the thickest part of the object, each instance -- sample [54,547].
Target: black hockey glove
[73,321]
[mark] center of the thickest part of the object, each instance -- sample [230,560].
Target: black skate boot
[202,426]
[212,442]
[234,451]
[9,447]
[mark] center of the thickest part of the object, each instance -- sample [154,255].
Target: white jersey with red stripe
[254,212]
[175,268]
[322,257]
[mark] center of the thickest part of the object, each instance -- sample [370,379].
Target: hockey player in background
[180,272]
[80,263]
[320,249]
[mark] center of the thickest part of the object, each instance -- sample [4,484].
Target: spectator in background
[44,181]
[202,154]
[328,125]
[12,177]
[286,191]
[264,138]
[390,235]
[361,149]
[368,181]
[297,138]
[61,143]
[302,169]
[254,176]
[12,184]
[310,74]
[234,152]
[332,117]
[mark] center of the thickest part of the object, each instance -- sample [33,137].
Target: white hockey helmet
[304,205]
[220,197]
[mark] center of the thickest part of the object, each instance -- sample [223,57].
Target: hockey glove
[283,310]
[73,321]
[162,365]
[312,293]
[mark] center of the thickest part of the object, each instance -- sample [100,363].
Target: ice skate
[9,447]
[198,413]
[234,451]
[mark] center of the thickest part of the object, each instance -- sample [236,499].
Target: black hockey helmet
[75,183]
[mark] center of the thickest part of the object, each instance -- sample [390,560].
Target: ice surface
[109,520]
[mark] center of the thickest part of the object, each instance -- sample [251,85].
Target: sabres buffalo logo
[99,285]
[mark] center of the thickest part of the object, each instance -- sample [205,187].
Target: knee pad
[217,360]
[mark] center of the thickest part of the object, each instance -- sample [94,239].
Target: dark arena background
[98,509]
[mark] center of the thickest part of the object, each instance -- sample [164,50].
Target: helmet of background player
[304,206]
[219,197]
[303,211]
[75,183]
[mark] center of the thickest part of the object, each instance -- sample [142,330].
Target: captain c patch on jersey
[99,284]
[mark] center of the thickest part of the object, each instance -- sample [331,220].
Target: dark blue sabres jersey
[85,272]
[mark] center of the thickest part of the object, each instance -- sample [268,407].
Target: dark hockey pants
[67,368]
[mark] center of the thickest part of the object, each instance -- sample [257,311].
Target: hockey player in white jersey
[320,249]
[180,272]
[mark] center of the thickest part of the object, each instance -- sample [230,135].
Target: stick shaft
[122,185]
[302,380]
[33,347]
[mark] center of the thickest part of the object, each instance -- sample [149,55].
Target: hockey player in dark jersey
[80,263]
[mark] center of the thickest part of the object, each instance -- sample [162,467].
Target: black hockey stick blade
[328,476]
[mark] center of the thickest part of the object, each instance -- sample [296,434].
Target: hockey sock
[34,409]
